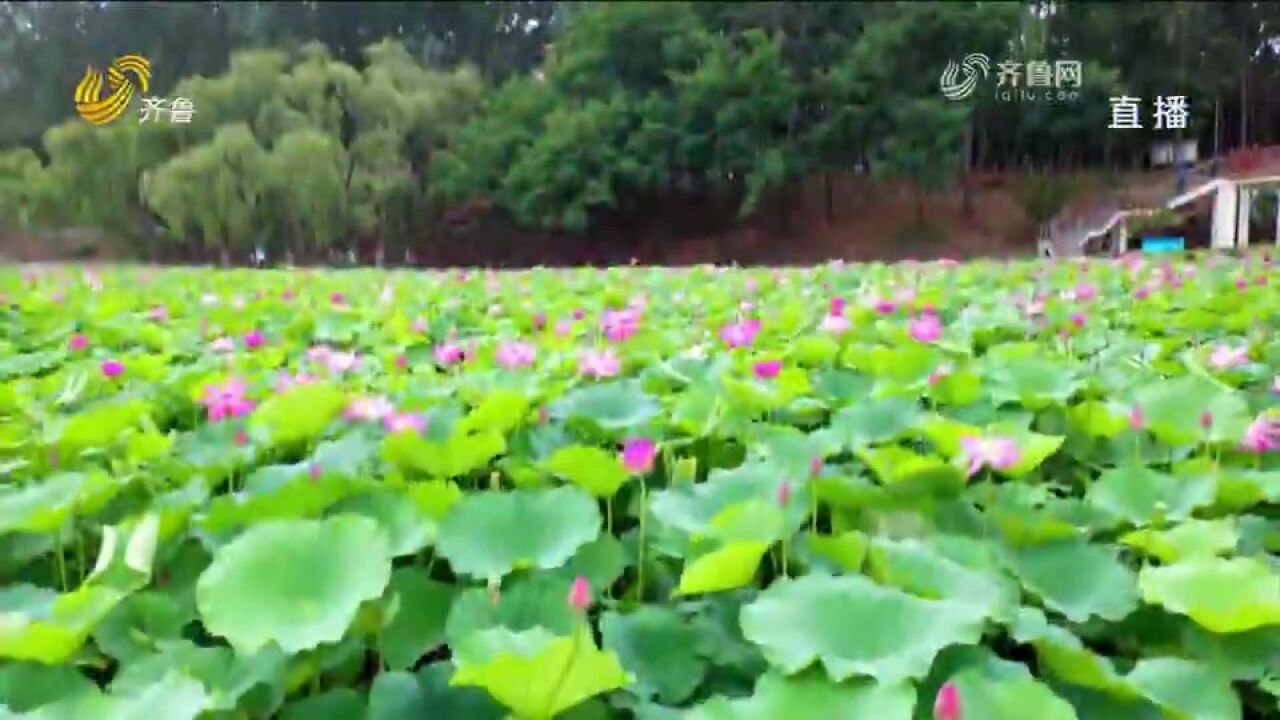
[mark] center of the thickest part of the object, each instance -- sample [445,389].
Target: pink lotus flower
[579,313]
[1085,292]
[599,363]
[159,313]
[564,327]
[516,354]
[638,455]
[401,422]
[314,471]
[222,345]
[618,325]
[1206,419]
[741,333]
[448,354]
[225,400]
[946,706]
[368,409]
[925,328]
[938,375]
[419,325]
[337,299]
[997,453]
[1224,357]
[112,368]
[78,342]
[882,305]
[767,369]
[1262,435]
[284,381]
[1078,319]
[784,493]
[254,339]
[242,438]
[815,466]
[580,594]
[1137,420]
[287,295]
[341,362]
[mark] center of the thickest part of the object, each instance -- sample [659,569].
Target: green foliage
[880,518]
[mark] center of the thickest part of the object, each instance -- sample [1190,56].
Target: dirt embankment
[852,217]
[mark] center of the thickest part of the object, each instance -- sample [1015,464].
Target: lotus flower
[516,354]
[159,313]
[599,363]
[618,325]
[925,328]
[78,342]
[741,333]
[222,345]
[1262,435]
[112,368]
[638,455]
[997,453]
[784,493]
[815,466]
[946,706]
[1137,420]
[448,354]
[1224,357]
[1078,319]
[225,400]
[580,594]
[419,325]
[369,409]
[254,339]
[401,422]
[767,369]
[341,362]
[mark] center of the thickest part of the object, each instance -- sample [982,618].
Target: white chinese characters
[1171,112]
[180,110]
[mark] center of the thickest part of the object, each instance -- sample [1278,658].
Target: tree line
[320,126]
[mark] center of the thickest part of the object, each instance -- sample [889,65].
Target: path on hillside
[1095,215]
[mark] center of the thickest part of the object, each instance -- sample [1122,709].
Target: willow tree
[305,179]
[213,190]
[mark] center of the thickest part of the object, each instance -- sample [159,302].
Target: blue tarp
[1157,244]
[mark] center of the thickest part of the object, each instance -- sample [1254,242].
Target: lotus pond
[988,491]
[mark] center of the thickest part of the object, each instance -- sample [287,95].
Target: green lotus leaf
[44,507]
[407,527]
[499,412]
[779,697]
[489,534]
[339,704]
[535,674]
[43,626]
[614,406]
[726,568]
[1174,408]
[950,568]
[537,601]
[847,551]
[1186,689]
[99,426]
[1194,588]
[226,676]
[693,508]
[855,627]
[1189,539]
[300,413]
[27,686]
[592,469]
[421,607]
[982,696]
[902,469]
[1051,571]
[1143,496]
[658,647]
[1065,657]
[297,583]
[397,696]
[874,421]
[456,455]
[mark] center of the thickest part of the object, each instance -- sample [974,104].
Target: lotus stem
[547,713]
[644,506]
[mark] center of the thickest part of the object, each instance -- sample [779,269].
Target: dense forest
[319,126]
